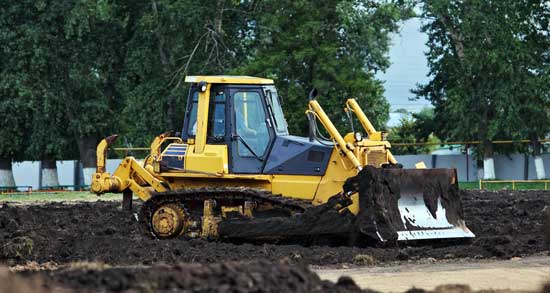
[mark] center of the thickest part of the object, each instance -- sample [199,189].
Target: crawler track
[196,197]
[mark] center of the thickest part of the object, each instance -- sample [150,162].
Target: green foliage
[84,69]
[19,57]
[173,39]
[14,111]
[64,53]
[489,69]
[335,46]
[417,128]
[14,89]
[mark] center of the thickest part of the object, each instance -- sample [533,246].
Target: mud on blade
[409,204]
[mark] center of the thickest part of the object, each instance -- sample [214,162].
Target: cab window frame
[266,116]
[191,119]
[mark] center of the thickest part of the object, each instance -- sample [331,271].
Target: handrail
[464,142]
[131,149]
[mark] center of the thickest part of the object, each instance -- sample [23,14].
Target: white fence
[513,167]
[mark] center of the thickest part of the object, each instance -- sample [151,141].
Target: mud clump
[378,195]
[506,224]
[364,260]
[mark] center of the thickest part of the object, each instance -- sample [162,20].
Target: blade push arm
[124,177]
[316,109]
[101,152]
[367,125]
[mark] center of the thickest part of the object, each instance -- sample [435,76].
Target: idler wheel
[168,221]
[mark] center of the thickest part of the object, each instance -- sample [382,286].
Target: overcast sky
[409,67]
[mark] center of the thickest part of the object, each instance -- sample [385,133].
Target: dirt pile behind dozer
[394,204]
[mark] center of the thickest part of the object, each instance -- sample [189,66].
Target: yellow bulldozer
[235,172]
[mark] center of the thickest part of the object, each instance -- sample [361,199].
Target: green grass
[57,196]
[468,185]
[88,196]
[487,185]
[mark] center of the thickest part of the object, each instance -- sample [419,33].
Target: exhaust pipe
[310,116]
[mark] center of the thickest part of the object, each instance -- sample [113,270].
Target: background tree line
[75,71]
[489,76]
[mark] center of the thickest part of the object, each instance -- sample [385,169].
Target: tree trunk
[87,149]
[488,162]
[49,173]
[479,164]
[537,157]
[6,173]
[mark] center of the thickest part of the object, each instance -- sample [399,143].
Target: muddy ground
[507,224]
[255,276]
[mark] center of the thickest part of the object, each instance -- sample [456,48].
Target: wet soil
[256,276]
[507,224]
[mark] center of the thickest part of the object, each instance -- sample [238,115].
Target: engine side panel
[293,155]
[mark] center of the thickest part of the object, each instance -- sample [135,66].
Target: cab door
[251,131]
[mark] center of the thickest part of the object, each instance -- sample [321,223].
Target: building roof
[233,79]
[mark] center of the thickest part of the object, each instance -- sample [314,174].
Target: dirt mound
[506,223]
[257,276]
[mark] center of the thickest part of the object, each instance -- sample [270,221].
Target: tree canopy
[83,69]
[488,69]
[414,128]
[334,46]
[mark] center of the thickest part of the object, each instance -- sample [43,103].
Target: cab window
[279,117]
[250,124]
[192,125]
[216,119]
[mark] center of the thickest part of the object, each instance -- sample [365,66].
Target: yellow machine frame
[207,165]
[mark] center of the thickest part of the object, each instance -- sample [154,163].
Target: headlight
[358,136]
[202,86]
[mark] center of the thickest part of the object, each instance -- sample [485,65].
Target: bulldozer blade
[409,204]
[430,204]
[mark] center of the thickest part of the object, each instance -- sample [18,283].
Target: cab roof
[232,79]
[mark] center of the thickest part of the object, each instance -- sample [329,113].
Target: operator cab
[245,114]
